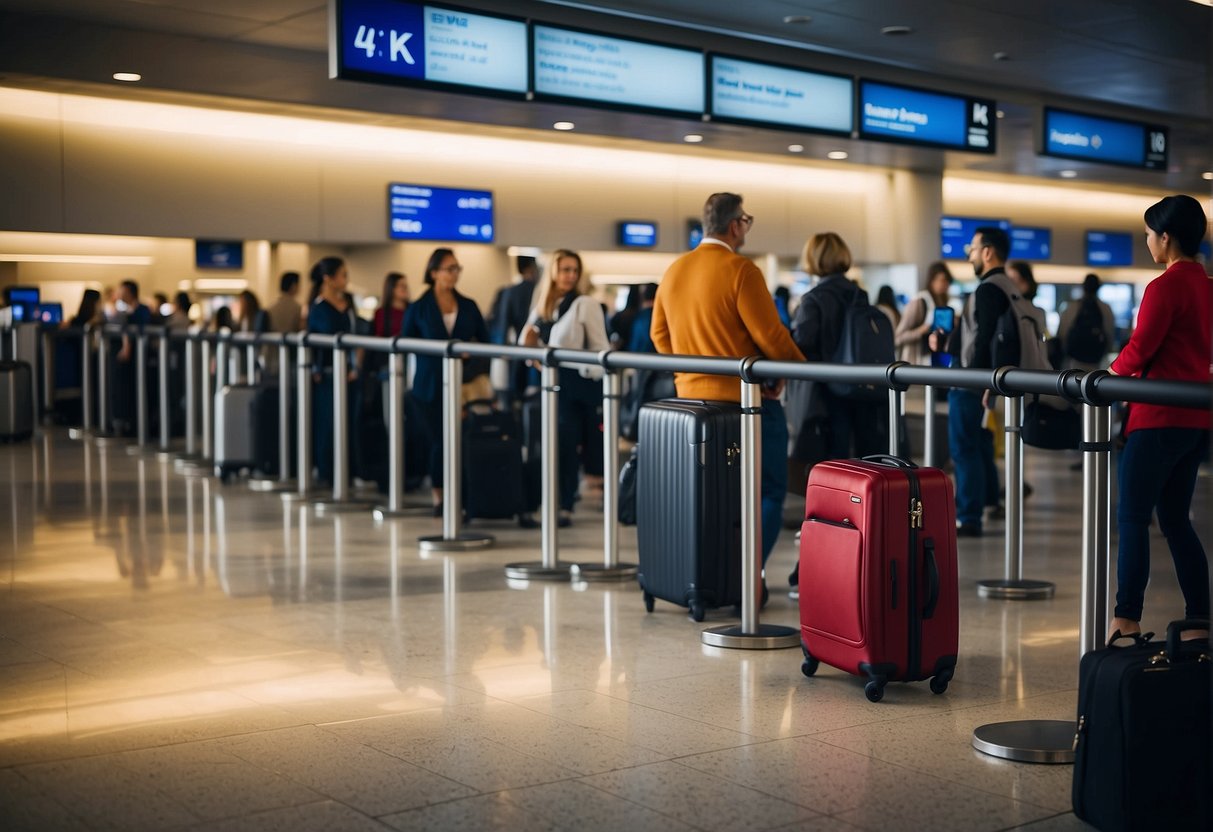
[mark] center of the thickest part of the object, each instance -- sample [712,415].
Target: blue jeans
[774,473]
[1157,471]
[972,449]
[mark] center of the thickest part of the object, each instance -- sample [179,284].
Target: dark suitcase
[492,463]
[688,504]
[1144,737]
[234,429]
[16,401]
[878,581]
[266,433]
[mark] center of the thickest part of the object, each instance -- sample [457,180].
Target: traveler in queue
[1087,330]
[129,311]
[715,302]
[329,314]
[918,319]
[441,313]
[1165,445]
[565,316]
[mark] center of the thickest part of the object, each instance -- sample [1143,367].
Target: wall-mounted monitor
[913,116]
[779,96]
[422,212]
[957,232]
[636,234]
[407,43]
[219,254]
[1110,141]
[694,234]
[23,300]
[584,67]
[1031,243]
[1109,248]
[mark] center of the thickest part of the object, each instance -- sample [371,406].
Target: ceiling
[1145,59]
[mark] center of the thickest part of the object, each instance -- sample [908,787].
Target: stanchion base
[382,513]
[1020,590]
[536,570]
[194,468]
[138,450]
[600,572]
[270,485]
[302,497]
[102,441]
[463,543]
[768,637]
[80,433]
[1049,741]
[327,505]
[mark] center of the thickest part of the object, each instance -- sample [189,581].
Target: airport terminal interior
[181,651]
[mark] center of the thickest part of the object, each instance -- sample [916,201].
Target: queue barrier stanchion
[141,413]
[190,454]
[930,459]
[1013,586]
[549,567]
[303,424]
[85,431]
[610,569]
[751,634]
[453,538]
[200,464]
[269,483]
[162,452]
[394,507]
[340,500]
[896,404]
[105,381]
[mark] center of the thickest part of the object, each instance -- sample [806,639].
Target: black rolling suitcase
[492,463]
[1144,741]
[266,431]
[688,504]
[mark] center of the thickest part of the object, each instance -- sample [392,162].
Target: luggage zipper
[1082,723]
[913,659]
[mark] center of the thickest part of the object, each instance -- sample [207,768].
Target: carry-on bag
[878,585]
[234,421]
[1144,737]
[688,504]
[492,463]
[16,401]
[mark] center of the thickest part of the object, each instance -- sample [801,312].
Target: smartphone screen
[945,318]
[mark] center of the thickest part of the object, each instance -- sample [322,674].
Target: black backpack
[1087,341]
[867,338]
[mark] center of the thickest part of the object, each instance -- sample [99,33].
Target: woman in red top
[1166,445]
[390,315]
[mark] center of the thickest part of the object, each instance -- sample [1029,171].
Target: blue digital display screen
[219,254]
[420,212]
[957,232]
[913,116]
[409,43]
[1108,140]
[1031,243]
[781,96]
[694,233]
[625,73]
[1109,248]
[637,234]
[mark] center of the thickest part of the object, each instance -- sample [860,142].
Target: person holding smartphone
[918,319]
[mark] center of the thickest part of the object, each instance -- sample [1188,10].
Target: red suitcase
[878,586]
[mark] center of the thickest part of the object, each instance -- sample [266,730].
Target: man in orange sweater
[715,302]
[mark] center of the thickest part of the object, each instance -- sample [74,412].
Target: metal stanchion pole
[1013,586]
[208,405]
[303,424]
[549,567]
[191,401]
[86,386]
[453,538]
[104,394]
[199,400]
[395,444]
[751,635]
[163,454]
[610,568]
[141,419]
[1096,525]
[895,396]
[928,428]
[281,482]
[340,500]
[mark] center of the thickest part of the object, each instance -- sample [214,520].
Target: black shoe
[564,520]
[438,510]
[794,578]
[526,521]
[1027,489]
[968,530]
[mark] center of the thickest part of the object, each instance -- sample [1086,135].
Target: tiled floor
[179,654]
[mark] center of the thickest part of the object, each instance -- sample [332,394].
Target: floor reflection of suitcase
[878,583]
[234,441]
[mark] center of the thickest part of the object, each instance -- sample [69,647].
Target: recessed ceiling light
[838,155]
[1067,174]
[563,125]
[1207,175]
[896,30]
[797,19]
[692,138]
[796,148]
[127,76]
[1002,56]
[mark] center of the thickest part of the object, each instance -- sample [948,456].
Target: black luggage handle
[889,459]
[928,550]
[1175,647]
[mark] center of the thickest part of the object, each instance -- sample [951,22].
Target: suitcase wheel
[874,690]
[697,611]
[810,665]
[648,602]
[939,682]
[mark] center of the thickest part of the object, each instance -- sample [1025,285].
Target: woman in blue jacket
[441,313]
[329,313]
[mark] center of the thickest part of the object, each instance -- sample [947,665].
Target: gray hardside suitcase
[234,429]
[688,503]
[16,401]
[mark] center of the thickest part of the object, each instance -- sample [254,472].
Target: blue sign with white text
[1031,243]
[957,232]
[1109,248]
[419,212]
[633,234]
[930,118]
[1112,141]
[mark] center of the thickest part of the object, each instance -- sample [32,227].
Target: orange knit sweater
[715,302]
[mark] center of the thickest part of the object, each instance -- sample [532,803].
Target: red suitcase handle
[889,459]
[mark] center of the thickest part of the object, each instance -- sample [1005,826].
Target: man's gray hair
[720,210]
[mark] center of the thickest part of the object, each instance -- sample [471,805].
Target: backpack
[867,338]
[1087,341]
[1018,341]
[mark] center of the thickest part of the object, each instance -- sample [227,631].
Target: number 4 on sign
[365,39]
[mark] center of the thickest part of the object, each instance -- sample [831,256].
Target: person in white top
[565,316]
[918,318]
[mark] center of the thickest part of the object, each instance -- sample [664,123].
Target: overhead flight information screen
[767,94]
[957,232]
[1109,248]
[420,212]
[1108,140]
[1031,243]
[587,67]
[914,116]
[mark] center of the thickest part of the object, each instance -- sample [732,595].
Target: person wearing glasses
[970,344]
[441,313]
[715,302]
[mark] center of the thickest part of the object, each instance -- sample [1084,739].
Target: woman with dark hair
[619,330]
[222,319]
[919,318]
[441,313]
[330,314]
[393,303]
[886,302]
[179,320]
[248,308]
[1165,445]
[90,311]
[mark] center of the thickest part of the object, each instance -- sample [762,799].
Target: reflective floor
[179,654]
